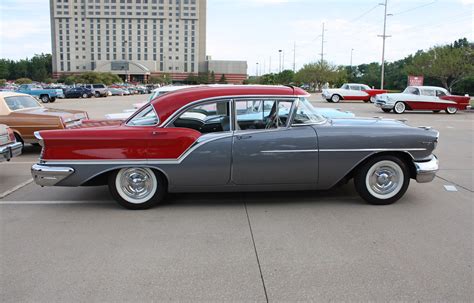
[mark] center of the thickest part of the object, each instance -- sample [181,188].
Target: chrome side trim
[40,139]
[289,151]
[49,176]
[372,149]
[9,151]
[426,171]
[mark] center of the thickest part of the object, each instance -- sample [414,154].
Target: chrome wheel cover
[384,179]
[136,185]
[400,107]
[335,98]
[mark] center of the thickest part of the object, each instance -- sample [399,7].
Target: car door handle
[243,137]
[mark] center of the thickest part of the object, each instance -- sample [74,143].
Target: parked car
[199,139]
[78,92]
[25,115]
[99,90]
[351,91]
[45,95]
[9,148]
[430,98]
[116,92]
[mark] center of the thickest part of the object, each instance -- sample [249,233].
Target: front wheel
[84,96]
[399,108]
[382,180]
[335,98]
[137,187]
[451,110]
[97,94]
[45,99]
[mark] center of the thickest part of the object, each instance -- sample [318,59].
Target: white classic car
[351,91]
[9,148]
[430,98]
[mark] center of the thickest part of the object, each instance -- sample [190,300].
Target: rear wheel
[335,98]
[399,108]
[451,110]
[137,187]
[97,94]
[382,180]
[45,98]
[386,110]
[84,95]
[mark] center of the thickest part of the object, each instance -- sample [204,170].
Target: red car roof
[167,104]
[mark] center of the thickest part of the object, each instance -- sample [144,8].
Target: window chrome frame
[138,112]
[169,122]
[323,121]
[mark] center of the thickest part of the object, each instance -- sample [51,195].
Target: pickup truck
[45,95]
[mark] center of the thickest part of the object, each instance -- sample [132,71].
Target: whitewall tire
[382,180]
[399,107]
[451,110]
[137,187]
[335,98]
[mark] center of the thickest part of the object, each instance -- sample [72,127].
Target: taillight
[11,134]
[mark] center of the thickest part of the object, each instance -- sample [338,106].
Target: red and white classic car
[236,138]
[351,91]
[430,98]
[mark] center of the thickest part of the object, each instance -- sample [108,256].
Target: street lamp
[126,60]
[256,70]
[279,52]
[352,50]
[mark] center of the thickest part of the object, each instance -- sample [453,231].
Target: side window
[262,114]
[345,86]
[440,93]
[206,118]
[428,92]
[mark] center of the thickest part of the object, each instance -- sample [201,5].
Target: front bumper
[383,104]
[9,151]
[426,171]
[50,175]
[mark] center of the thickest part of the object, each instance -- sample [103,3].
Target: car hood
[333,113]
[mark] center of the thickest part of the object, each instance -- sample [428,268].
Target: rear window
[21,102]
[98,86]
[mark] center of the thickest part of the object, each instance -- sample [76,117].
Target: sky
[254,30]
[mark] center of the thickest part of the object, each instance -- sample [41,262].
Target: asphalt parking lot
[76,244]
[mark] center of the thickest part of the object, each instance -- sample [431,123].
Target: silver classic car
[237,138]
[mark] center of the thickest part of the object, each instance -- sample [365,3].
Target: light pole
[279,51]
[256,70]
[126,61]
[384,36]
[352,50]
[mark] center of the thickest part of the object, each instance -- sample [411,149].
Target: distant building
[235,72]
[135,39]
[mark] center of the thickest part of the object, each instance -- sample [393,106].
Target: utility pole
[294,57]
[270,65]
[256,70]
[283,62]
[384,36]
[322,43]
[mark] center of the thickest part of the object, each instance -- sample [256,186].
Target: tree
[285,77]
[223,80]
[448,64]
[213,77]
[23,81]
[316,74]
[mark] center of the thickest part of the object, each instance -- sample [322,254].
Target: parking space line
[52,202]
[15,188]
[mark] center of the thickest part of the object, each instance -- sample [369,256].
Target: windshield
[306,113]
[21,102]
[146,117]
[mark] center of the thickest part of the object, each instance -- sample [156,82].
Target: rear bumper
[49,175]
[9,151]
[426,171]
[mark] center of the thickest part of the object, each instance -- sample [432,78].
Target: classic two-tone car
[237,138]
[430,98]
[351,91]
[25,115]
[9,148]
